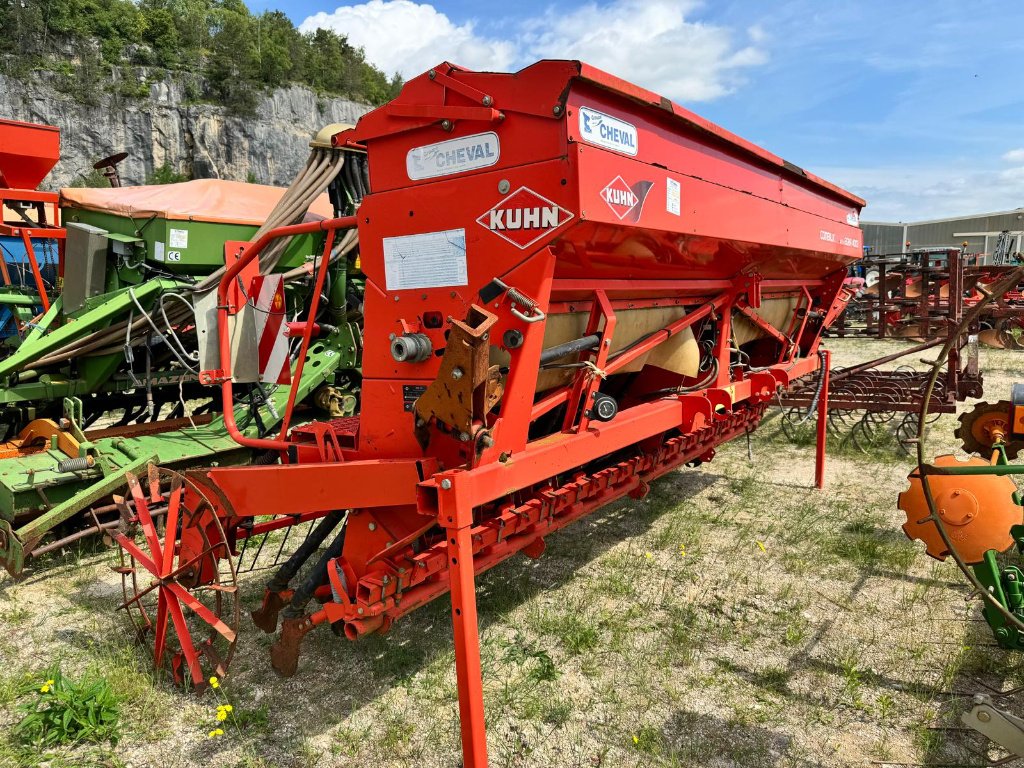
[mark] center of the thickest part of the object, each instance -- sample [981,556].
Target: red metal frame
[430,507]
[822,425]
[227,305]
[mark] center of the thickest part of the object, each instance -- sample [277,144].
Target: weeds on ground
[65,711]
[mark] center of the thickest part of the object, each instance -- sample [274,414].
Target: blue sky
[916,106]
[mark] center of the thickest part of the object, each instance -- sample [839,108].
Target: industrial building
[981,233]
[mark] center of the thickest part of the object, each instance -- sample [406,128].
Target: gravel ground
[734,617]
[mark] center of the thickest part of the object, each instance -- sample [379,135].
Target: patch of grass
[15,616]
[65,711]
[774,679]
[578,635]
[348,741]
[928,740]
[796,631]
[396,732]
[854,675]
[886,707]
[556,711]
[576,632]
[866,545]
[522,653]
[648,740]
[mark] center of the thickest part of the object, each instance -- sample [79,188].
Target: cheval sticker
[626,202]
[607,131]
[467,153]
[524,217]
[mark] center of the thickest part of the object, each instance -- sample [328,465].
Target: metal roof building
[979,232]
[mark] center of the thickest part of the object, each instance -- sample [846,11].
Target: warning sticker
[178,238]
[672,196]
[427,260]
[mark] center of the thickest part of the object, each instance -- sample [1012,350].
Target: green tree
[161,33]
[166,174]
[233,63]
[218,47]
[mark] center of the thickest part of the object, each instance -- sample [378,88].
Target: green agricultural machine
[104,381]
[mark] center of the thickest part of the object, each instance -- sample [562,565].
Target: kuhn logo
[607,131]
[524,217]
[625,200]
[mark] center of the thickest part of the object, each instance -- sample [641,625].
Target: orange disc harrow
[976,510]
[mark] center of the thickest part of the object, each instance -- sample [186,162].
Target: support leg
[819,450]
[31,255]
[457,517]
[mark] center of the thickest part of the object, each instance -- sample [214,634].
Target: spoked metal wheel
[180,588]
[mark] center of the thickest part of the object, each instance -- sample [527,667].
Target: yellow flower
[49,682]
[214,682]
[636,739]
[682,551]
[760,545]
[228,707]
[649,555]
[44,689]
[215,732]
[222,716]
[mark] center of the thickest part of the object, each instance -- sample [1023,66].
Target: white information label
[158,251]
[467,153]
[427,260]
[672,196]
[178,238]
[607,131]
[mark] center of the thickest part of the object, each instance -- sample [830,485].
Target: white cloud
[649,42]
[1014,156]
[409,38]
[897,193]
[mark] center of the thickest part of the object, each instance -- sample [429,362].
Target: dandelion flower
[649,555]
[49,682]
[222,716]
[228,707]
[44,689]
[682,551]
[636,739]
[214,683]
[215,733]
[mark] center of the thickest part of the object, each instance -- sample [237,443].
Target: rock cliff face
[201,140]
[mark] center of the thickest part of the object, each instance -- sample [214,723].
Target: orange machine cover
[213,200]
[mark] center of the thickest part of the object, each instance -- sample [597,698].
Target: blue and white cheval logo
[607,131]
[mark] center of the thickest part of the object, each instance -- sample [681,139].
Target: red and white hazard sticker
[266,293]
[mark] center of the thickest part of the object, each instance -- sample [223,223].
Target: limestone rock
[201,140]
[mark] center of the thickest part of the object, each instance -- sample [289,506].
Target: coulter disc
[180,589]
[985,425]
[977,511]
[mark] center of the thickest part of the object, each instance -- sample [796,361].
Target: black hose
[299,557]
[317,577]
[576,345]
